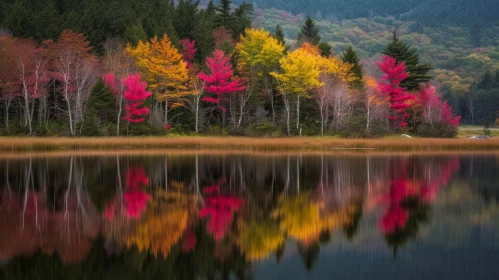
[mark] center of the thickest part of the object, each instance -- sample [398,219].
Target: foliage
[390,85]
[402,53]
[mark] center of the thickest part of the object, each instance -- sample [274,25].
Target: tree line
[230,78]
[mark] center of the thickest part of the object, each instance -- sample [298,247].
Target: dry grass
[244,143]
[218,152]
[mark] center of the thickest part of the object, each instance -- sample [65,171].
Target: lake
[244,215]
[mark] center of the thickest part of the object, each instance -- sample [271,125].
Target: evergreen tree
[100,110]
[279,35]
[135,33]
[418,73]
[211,9]
[325,49]
[309,33]
[350,56]
[241,19]
[223,14]
[186,18]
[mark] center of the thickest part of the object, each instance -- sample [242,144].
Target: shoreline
[330,144]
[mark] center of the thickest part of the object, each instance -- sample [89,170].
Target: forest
[103,68]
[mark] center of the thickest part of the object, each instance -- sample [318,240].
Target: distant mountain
[428,12]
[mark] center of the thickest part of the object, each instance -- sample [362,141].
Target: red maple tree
[135,94]
[434,110]
[394,74]
[220,81]
[188,51]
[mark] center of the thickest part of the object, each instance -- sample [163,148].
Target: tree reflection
[209,216]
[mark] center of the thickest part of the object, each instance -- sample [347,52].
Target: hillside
[427,12]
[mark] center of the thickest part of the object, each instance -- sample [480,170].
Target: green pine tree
[241,19]
[403,53]
[325,49]
[309,33]
[223,14]
[279,35]
[350,56]
[100,111]
[135,33]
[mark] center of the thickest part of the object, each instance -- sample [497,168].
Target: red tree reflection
[220,210]
[135,198]
[414,186]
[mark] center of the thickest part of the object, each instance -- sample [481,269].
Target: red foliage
[167,126]
[390,86]
[220,81]
[434,110]
[135,94]
[135,199]
[448,115]
[188,51]
[110,82]
[221,211]
[222,37]
[422,186]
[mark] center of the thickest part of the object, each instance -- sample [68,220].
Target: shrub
[439,130]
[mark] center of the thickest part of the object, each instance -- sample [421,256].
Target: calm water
[249,216]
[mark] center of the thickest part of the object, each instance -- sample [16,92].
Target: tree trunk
[120,108]
[297,112]
[166,111]
[197,114]
[322,120]
[70,114]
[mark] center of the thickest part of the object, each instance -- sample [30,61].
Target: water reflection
[228,216]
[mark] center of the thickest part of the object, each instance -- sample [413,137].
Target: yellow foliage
[257,240]
[164,69]
[336,67]
[258,48]
[163,224]
[303,219]
[300,72]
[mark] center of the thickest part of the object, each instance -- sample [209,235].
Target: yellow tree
[165,70]
[258,239]
[260,52]
[333,92]
[299,74]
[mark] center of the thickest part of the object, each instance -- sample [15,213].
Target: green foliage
[100,111]
[350,56]
[438,130]
[403,53]
[309,33]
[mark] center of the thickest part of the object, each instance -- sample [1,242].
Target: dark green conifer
[350,56]
[403,53]
[309,33]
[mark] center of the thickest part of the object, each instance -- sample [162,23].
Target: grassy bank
[244,143]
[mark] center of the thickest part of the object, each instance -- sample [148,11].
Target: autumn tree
[164,70]
[299,74]
[260,52]
[418,73]
[135,94]
[434,112]
[334,78]
[220,81]
[375,105]
[118,65]
[8,86]
[75,69]
[390,85]
[188,51]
